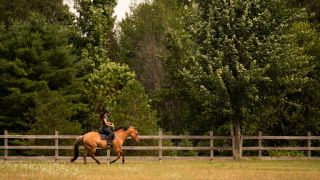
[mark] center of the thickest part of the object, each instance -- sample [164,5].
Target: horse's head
[134,134]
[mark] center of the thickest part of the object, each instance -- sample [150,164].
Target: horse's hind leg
[94,158]
[85,156]
[91,153]
[87,152]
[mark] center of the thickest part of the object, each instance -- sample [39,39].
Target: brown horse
[92,140]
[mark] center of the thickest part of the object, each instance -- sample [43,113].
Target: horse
[92,140]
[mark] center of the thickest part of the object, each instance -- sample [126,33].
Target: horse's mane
[124,128]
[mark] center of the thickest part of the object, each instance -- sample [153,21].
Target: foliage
[146,41]
[244,66]
[95,24]
[103,86]
[312,6]
[141,40]
[114,86]
[283,153]
[133,108]
[34,56]
[177,107]
[54,11]
[186,143]
[53,113]
[202,63]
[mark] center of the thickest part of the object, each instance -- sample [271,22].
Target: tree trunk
[236,134]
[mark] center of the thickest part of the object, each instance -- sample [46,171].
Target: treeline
[58,71]
[186,67]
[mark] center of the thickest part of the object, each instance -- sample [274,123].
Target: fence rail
[160,148]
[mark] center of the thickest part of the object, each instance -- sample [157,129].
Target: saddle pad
[104,136]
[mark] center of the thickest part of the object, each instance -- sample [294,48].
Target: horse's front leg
[122,154]
[118,151]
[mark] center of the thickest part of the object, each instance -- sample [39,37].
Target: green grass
[220,169]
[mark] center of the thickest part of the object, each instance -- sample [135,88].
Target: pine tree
[54,11]
[35,56]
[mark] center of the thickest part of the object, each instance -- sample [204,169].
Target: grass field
[220,169]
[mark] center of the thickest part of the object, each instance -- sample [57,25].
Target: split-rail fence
[309,139]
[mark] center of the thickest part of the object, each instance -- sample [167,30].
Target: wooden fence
[160,147]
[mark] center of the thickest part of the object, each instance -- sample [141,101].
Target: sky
[120,10]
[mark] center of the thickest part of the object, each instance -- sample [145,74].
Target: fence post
[6,145]
[56,144]
[260,144]
[309,144]
[211,146]
[108,155]
[160,145]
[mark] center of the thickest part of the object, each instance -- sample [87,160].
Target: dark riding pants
[109,132]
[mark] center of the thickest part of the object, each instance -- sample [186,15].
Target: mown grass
[227,169]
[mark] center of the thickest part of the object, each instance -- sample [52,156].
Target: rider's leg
[110,137]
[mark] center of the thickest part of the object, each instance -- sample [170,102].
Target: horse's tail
[76,148]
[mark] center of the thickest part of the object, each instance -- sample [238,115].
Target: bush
[285,153]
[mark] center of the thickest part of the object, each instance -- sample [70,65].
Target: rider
[107,127]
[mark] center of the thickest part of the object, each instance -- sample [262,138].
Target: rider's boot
[109,140]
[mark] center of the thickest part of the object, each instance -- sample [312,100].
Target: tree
[115,87]
[142,39]
[95,23]
[146,45]
[176,105]
[54,11]
[133,108]
[53,112]
[34,56]
[245,68]
[102,88]
[96,38]
[312,6]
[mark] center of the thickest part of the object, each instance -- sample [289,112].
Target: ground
[169,169]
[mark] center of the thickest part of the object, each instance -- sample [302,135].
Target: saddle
[105,136]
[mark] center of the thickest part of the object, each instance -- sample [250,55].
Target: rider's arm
[106,122]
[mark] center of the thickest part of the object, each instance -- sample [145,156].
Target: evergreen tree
[53,112]
[34,56]
[54,11]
